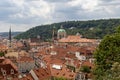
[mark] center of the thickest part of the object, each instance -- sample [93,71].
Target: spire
[53,33]
[10,36]
[61,27]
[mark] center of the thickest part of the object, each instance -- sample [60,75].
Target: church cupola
[61,33]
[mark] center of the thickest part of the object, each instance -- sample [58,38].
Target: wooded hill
[89,29]
[6,34]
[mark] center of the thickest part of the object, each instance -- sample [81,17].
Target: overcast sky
[24,14]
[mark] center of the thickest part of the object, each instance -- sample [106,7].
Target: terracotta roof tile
[43,73]
[7,65]
[8,61]
[64,72]
[8,68]
[74,38]
[24,59]
[3,47]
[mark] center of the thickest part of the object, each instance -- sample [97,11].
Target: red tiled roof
[27,77]
[24,59]
[3,47]
[19,44]
[43,73]
[8,61]
[75,38]
[34,44]
[7,65]
[65,53]
[64,72]
[8,68]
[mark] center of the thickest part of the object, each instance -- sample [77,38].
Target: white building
[79,56]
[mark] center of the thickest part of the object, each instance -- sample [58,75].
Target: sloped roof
[43,73]
[63,72]
[3,47]
[7,65]
[25,59]
[75,38]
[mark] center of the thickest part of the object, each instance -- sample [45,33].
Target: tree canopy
[85,69]
[2,54]
[107,54]
[89,29]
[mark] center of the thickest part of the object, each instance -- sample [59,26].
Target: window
[4,72]
[12,71]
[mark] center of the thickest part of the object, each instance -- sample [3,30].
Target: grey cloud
[6,12]
[106,0]
[62,12]
[7,9]
[5,3]
[57,1]
[68,12]
[109,3]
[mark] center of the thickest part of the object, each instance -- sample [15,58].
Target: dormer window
[12,71]
[4,72]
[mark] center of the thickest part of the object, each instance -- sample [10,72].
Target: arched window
[12,71]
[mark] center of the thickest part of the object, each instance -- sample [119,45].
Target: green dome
[61,30]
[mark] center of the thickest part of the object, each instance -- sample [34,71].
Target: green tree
[107,54]
[2,54]
[85,69]
[113,73]
[89,29]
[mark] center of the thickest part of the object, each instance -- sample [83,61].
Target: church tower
[10,38]
[61,33]
[10,45]
[54,34]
